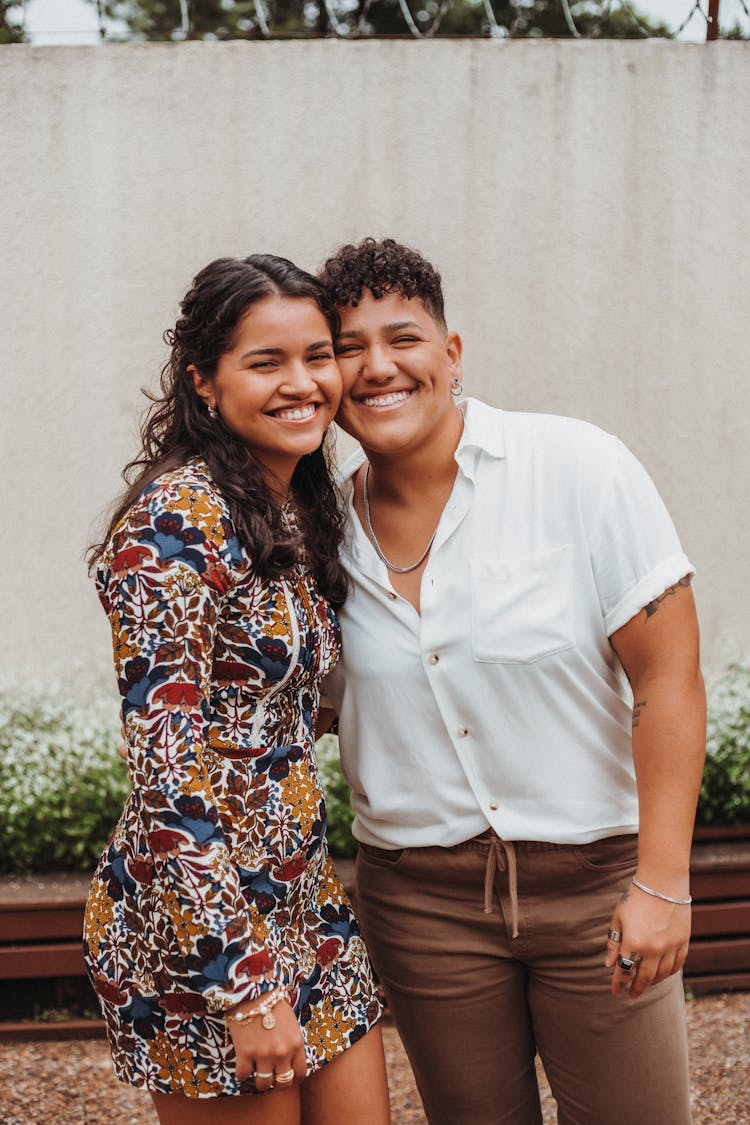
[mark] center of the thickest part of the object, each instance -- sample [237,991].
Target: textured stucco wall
[588,204]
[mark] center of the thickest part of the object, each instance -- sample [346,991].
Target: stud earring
[211,412]
[456,386]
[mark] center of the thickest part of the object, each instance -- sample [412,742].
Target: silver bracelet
[658,894]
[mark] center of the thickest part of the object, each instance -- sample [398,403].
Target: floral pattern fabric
[216,885]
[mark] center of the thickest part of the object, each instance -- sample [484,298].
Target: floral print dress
[216,885]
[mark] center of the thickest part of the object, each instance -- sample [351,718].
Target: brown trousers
[473,1004]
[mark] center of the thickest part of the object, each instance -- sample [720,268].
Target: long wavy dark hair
[178,427]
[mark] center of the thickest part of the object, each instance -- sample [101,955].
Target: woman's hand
[269,1053]
[655,933]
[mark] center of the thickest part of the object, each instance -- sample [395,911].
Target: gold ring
[285,1077]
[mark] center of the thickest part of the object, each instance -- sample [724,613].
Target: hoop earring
[211,413]
[456,386]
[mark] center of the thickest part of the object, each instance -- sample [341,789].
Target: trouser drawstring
[500,852]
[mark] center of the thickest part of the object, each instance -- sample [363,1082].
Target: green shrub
[725,792]
[340,840]
[62,785]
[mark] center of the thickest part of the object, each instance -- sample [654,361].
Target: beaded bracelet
[658,894]
[264,1009]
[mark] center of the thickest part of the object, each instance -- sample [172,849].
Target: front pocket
[521,608]
[383,856]
[611,853]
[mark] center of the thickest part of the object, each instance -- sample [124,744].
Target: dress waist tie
[500,854]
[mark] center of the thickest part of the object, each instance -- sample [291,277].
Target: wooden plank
[48,1030]
[721,918]
[738,833]
[55,959]
[40,921]
[727,955]
[717,982]
[707,886]
[730,856]
[66,887]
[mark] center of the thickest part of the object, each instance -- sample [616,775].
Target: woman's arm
[659,651]
[162,589]
[325,720]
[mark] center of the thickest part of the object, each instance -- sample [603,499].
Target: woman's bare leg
[277,1107]
[352,1088]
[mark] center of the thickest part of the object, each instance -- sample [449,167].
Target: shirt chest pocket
[521,609]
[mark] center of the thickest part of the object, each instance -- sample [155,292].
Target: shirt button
[461,732]
[433,658]
[392,596]
[494,806]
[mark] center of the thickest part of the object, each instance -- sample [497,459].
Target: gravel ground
[71,1083]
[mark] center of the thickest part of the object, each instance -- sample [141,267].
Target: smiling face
[396,367]
[278,386]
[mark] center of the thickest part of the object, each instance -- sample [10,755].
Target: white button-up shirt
[504,703]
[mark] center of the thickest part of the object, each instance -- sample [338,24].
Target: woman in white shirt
[516,584]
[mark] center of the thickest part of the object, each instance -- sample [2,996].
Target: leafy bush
[62,785]
[341,843]
[725,792]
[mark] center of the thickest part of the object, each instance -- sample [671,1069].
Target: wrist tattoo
[652,607]
[625,896]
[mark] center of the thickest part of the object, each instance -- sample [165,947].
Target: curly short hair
[382,267]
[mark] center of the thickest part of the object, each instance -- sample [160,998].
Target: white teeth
[296,413]
[386,400]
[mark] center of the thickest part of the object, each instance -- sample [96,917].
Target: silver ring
[260,1074]
[285,1077]
[627,964]
[614,935]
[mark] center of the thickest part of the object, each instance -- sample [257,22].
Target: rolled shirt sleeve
[635,551]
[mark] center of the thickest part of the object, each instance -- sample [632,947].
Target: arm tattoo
[652,607]
[637,707]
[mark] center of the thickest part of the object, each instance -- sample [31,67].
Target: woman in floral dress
[220,942]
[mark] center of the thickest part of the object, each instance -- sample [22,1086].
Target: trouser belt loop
[500,854]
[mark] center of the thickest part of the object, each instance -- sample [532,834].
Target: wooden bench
[719,957]
[41,919]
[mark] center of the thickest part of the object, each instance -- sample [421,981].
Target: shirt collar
[484,429]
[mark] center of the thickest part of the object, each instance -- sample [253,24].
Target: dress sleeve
[166,577]
[635,551]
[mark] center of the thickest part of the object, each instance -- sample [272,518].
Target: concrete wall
[588,204]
